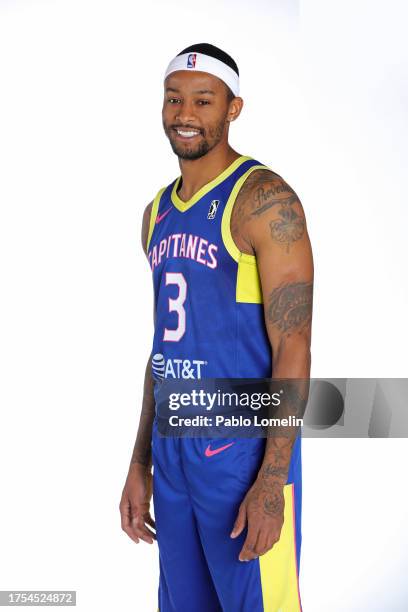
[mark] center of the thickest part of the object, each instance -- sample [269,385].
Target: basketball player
[232,268]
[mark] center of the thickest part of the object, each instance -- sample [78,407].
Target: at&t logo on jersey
[176,368]
[191,60]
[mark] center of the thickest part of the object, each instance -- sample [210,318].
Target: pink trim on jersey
[294,539]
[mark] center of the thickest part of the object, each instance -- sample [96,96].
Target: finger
[128,529]
[269,545]
[150,521]
[274,536]
[261,546]
[148,531]
[141,531]
[125,519]
[124,509]
[128,518]
[145,538]
[240,522]
[248,549]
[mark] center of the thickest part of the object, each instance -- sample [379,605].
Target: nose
[185,112]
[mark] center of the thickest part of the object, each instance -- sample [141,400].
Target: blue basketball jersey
[209,310]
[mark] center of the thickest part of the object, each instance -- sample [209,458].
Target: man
[232,271]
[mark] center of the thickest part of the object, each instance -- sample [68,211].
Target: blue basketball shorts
[198,486]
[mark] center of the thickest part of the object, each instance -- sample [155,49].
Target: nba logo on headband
[191,60]
[226,70]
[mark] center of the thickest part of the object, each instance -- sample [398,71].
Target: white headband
[205,63]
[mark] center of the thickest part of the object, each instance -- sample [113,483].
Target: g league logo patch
[213,209]
[191,60]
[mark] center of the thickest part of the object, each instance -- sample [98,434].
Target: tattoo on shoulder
[290,306]
[264,190]
[264,199]
[288,227]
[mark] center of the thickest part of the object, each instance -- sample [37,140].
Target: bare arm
[142,449]
[271,224]
[135,502]
[279,236]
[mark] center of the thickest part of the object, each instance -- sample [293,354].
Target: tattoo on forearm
[143,445]
[277,455]
[290,306]
[274,471]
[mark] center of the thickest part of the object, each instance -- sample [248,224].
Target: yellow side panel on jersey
[280,588]
[153,215]
[248,287]
[248,283]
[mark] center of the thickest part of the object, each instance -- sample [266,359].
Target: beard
[184,151]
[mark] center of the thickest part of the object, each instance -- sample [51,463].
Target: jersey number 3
[176,305]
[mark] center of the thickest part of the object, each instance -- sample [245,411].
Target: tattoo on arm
[262,191]
[274,501]
[289,310]
[264,200]
[275,470]
[143,446]
[290,307]
[288,228]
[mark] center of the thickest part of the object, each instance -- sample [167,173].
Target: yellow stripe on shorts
[279,577]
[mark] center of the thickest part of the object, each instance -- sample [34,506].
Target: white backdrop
[81,154]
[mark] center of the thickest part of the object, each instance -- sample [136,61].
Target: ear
[235,107]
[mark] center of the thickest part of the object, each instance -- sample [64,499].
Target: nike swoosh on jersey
[215,451]
[161,217]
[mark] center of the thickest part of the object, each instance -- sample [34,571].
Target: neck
[198,172]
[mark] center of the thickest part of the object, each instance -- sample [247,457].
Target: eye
[173,100]
[203,102]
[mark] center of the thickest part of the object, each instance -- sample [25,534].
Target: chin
[188,153]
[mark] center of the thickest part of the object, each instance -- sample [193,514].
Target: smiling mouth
[186,133]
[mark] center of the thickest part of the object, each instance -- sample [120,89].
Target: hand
[135,503]
[263,510]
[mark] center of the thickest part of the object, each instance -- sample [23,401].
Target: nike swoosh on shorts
[215,451]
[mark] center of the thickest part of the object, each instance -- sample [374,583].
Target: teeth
[189,134]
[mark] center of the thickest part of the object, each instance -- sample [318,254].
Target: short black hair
[212,51]
[218,54]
